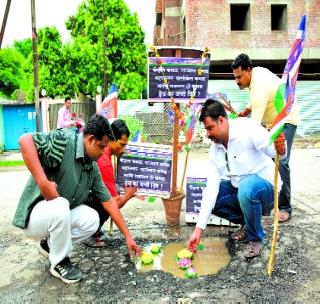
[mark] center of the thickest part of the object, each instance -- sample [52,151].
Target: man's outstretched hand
[244,113]
[133,248]
[194,239]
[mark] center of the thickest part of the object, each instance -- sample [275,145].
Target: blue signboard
[179,78]
[147,167]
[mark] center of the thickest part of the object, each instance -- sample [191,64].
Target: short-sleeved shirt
[107,172]
[262,91]
[61,153]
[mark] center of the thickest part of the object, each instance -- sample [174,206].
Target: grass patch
[11,163]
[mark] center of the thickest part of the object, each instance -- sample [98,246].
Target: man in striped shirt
[64,177]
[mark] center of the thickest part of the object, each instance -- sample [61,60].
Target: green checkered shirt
[61,154]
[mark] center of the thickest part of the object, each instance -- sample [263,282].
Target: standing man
[115,147]
[64,117]
[64,176]
[263,86]
[241,152]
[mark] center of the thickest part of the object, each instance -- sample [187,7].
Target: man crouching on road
[241,152]
[64,176]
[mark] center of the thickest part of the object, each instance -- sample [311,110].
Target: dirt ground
[110,276]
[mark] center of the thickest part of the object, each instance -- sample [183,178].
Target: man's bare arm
[32,161]
[112,208]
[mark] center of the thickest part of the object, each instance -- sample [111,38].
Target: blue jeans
[289,131]
[246,205]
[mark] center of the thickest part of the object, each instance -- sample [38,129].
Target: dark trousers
[289,131]
[103,215]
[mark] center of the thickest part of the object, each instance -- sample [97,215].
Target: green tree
[125,53]
[12,71]
[51,62]
[23,46]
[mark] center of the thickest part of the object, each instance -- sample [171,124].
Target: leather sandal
[253,249]
[239,235]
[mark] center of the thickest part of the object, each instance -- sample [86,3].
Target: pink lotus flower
[184,263]
[191,273]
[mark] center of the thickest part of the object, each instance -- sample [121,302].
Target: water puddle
[209,260]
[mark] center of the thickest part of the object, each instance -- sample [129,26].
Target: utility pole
[4,22]
[105,80]
[35,64]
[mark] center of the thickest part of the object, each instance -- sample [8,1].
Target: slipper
[283,216]
[253,249]
[239,235]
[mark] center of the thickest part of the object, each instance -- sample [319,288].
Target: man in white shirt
[241,152]
[64,117]
[263,86]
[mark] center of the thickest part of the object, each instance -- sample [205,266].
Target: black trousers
[289,131]
[103,214]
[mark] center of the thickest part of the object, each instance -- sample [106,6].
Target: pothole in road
[213,257]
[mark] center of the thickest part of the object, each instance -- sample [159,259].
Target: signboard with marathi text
[179,78]
[194,189]
[147,167]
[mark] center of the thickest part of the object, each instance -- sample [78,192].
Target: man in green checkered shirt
[64,177]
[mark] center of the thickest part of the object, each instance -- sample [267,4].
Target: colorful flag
[137,138]
[285,95]
[171,116]
[191,122]
[109,106]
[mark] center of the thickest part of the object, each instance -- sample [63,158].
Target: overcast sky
[55,12]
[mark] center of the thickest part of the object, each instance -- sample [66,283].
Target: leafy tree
[78,66]
[12,71]
[125,53]
[23,46]
[50,62]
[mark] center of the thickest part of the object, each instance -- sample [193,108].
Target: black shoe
[66,271]
[43,248]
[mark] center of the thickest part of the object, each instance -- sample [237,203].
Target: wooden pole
[4,22]
[35,64]
[276,222]
[175,150]
[115,177]
[105,79]
[184,169]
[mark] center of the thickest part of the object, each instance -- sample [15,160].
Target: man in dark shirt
[64,176]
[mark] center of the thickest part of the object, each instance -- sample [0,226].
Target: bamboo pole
[35,64]
[111,227]
[4,22]
[184,169]
[175,151]
[115,176]
[276,222]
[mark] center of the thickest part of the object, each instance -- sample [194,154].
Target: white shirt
[249,152]
[64,118]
